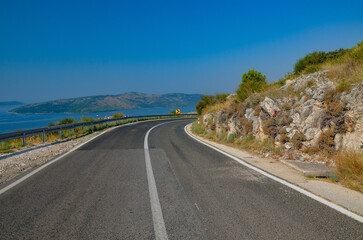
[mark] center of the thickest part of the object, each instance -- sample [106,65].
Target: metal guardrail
[43,131]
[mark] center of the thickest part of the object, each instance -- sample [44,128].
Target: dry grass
[16,144]
[219,106]
[349,167]
[346,72]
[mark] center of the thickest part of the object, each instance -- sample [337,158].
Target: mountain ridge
[99,103]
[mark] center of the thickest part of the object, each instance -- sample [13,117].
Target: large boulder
[307,119]
[269,106]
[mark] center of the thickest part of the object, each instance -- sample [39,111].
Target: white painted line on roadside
[158,220]
[56,159]
[290,185]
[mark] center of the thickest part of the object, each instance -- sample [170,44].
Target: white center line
[158,220]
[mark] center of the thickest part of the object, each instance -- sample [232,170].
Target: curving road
[107,189]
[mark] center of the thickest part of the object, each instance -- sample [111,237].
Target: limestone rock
[354,119]
[321,88]
[269,106]
[221,122]
[233,125]
[250,116]
[207,119]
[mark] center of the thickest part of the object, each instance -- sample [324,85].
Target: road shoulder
[346,198]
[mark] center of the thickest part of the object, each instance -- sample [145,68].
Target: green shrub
[232,137]
[312,62]
[89,130]
[87,119]
[279,83]
[252,82]
[208,100]
[197,128]
[205,101]
[118,115]
[65,121]
[67,133]
[312,68]
[310,59]
[356,53]
[221,98]
[5,146]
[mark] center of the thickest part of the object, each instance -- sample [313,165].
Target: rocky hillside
[111,102]
[305,114]
[314,114]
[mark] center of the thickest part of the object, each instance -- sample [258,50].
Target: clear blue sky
[62,49]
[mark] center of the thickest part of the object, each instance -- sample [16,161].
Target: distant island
[131,100]
[10,103]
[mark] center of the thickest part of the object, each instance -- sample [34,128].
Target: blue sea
[10,122]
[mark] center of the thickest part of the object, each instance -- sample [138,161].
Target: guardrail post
[24,142]
[60,134]
[43,136]
[72,131]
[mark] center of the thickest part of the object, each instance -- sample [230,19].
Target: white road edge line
[3,190]
[158,220]
[290,185]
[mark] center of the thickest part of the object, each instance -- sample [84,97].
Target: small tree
[205,101]
[65,121]
[310,61]
[222,97]
[118,115]
[252,81]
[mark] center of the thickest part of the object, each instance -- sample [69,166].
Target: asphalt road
[101,191]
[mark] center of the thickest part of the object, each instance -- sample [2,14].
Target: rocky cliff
[307,114]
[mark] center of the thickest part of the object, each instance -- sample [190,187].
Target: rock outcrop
[307,112]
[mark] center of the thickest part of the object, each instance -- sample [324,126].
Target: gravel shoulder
[346,198]
[14,164]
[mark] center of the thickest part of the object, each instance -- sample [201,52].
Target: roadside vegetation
[344,68]
[17,144]
[209,100]
[349,165]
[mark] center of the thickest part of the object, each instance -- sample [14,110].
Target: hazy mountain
[130,100]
